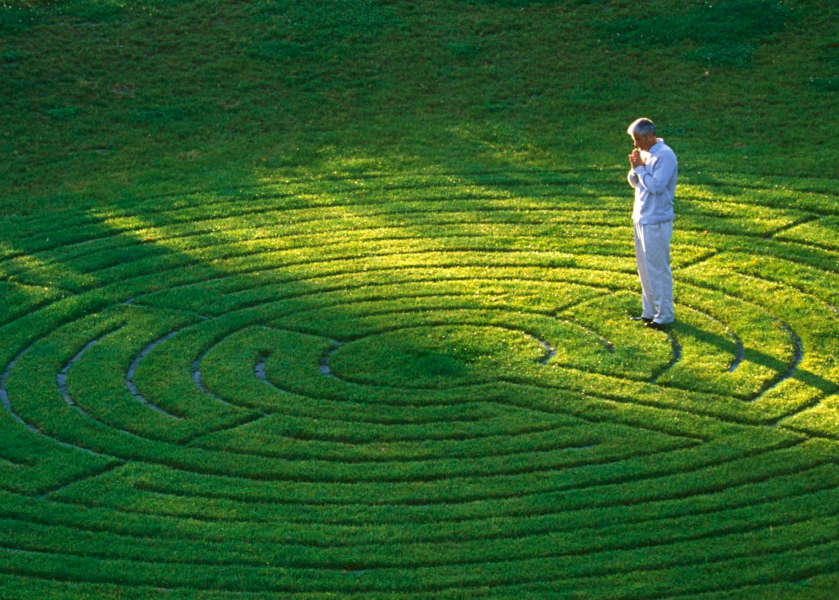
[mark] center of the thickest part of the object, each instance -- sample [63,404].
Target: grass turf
[331,300]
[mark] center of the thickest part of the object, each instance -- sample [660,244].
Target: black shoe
[644,319]
[657,326]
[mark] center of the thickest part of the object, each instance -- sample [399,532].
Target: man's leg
[657,245]
[647,302]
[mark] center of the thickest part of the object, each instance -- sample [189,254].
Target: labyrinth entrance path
[421,386]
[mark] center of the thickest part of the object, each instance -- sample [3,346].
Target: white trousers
[652,253]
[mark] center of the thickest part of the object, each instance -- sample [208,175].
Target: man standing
[653,175]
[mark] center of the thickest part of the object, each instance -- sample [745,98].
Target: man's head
[643,133]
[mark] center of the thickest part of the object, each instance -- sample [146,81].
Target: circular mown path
[421,385]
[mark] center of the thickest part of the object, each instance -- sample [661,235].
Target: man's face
[644,141]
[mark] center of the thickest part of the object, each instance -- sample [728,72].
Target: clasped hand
[635,158]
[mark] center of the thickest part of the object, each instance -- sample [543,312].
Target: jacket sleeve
[657,178]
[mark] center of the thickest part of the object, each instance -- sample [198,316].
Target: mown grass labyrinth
[421,385]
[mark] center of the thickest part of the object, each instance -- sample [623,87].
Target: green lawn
[330,299]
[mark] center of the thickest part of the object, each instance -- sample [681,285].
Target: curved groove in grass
[4,400]
[546,509]
[392,562]
[515,579]
[129,376]
[342,532]
[676,357]
[798,356]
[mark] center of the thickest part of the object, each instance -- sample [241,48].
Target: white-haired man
[653,175]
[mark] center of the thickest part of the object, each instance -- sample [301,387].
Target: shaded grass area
[725,34]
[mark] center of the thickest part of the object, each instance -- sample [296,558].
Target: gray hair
[641,127]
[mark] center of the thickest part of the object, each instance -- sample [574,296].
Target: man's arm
[634,160]
[655,179]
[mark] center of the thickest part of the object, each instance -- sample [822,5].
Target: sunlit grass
[134,99]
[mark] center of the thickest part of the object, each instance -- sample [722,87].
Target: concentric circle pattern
[421,385]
